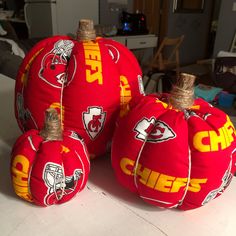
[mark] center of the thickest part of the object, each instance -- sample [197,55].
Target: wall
[195,27]
[226,27]
[110,16]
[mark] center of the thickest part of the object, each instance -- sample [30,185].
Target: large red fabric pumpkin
[90,82]
[174,157]
[49,171]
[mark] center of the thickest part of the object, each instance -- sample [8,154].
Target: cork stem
[86,31]
[182,94]
[52,126]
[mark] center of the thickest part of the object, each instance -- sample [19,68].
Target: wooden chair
[166,59]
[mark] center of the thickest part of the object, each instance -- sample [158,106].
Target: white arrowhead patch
[94,120]
[154,131]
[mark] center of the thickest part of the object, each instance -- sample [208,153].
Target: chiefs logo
[54,64]
[24,115]
[114,53]
[74,135]
[153,130]
[140,85]
[57,183]
[226,179]
[94,120]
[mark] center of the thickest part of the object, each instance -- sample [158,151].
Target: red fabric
[98,87]
[49,172]
[172,158]
[33,93]
[92,99]
[128,67]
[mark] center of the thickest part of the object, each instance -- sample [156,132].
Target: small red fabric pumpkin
[172,157]
[47,169]
[90,81]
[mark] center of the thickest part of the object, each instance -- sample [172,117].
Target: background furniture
[142,46]
[137,41]
[166,59]
[233,45]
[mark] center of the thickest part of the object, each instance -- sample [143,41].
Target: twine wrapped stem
[86,30]
[182,94]
[52,126]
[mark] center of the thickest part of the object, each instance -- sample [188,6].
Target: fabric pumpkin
[172,157]
[50,171]
[90,82]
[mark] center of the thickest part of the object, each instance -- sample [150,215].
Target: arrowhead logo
[94,120]
[154,131]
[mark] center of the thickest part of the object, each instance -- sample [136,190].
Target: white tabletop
[103,207]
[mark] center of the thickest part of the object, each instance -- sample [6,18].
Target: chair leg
[149,75]
[157,77]
[146,84]
[159,84]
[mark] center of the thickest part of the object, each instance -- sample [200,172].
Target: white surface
[103,207]
[45,18]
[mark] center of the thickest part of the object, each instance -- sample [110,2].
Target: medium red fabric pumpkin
[46,170]
[90,81]
[171,157]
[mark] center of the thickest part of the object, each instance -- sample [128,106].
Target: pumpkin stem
[86,30]
[52,125]
[182,94]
